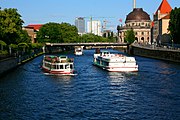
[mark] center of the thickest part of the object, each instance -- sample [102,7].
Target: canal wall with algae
[168,54]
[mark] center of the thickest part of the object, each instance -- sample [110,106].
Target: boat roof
[104,51]
[53,56]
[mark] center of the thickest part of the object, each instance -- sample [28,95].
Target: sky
[44,11]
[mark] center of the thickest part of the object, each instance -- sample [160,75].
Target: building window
[142,38]
[136,33]
[142,33]
[136,39]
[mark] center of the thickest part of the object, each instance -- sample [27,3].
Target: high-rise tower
[94,27]
[80,24]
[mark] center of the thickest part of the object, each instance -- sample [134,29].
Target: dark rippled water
[151,94]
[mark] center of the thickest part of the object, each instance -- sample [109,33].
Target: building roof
[35,26]
[164,7]
[138,15]
[166,17]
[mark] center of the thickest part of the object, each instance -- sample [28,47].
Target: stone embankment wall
[10,63]
[7,64]
[156,52]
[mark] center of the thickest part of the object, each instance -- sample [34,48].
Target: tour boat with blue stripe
[58,65]
[115,62]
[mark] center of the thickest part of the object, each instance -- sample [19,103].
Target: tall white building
[94,27]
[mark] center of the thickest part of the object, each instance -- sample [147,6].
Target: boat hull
[57,71]
[78,53]
[115,62]
[118,69]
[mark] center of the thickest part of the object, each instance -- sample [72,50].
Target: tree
[174,24]
[129,36]
[57,33]
[10,25]
[23,46]
[50,32]
[93,38]
[2,43]
[69,32]
[23,37]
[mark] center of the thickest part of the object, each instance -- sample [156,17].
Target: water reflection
[60,78]
[120,77]
[116,78]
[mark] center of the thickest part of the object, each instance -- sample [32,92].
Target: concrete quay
[162,53]
[9,64]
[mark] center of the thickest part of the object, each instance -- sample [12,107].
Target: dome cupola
[137,15]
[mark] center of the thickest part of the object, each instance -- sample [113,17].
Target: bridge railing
[87,44]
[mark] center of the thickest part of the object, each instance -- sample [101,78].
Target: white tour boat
[78,51]
[58,65]
[115,62]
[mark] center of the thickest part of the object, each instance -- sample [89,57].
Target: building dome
[137,15]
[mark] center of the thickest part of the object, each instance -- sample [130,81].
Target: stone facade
[140,22]
[161,20]
[32,31]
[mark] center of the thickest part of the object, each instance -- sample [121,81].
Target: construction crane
[104,24]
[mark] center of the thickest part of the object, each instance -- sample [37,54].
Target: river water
[153,93]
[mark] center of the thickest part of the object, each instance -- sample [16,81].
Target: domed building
[140,22]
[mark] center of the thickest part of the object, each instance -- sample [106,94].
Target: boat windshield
[105,53]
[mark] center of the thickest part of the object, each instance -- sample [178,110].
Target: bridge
[86,44]
[58,47]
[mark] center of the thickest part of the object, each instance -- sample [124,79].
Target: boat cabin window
[66,66]
[71,66]
[57,66]
[61,66]
[53,66]
[63,57]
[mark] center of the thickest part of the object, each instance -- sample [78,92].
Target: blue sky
[44,11]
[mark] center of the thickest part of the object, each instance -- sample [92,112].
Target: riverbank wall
[156,52]
[9,64]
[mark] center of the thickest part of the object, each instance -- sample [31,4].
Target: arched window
[136,38]
[142,38]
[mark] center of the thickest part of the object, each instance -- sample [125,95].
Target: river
[153,93]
